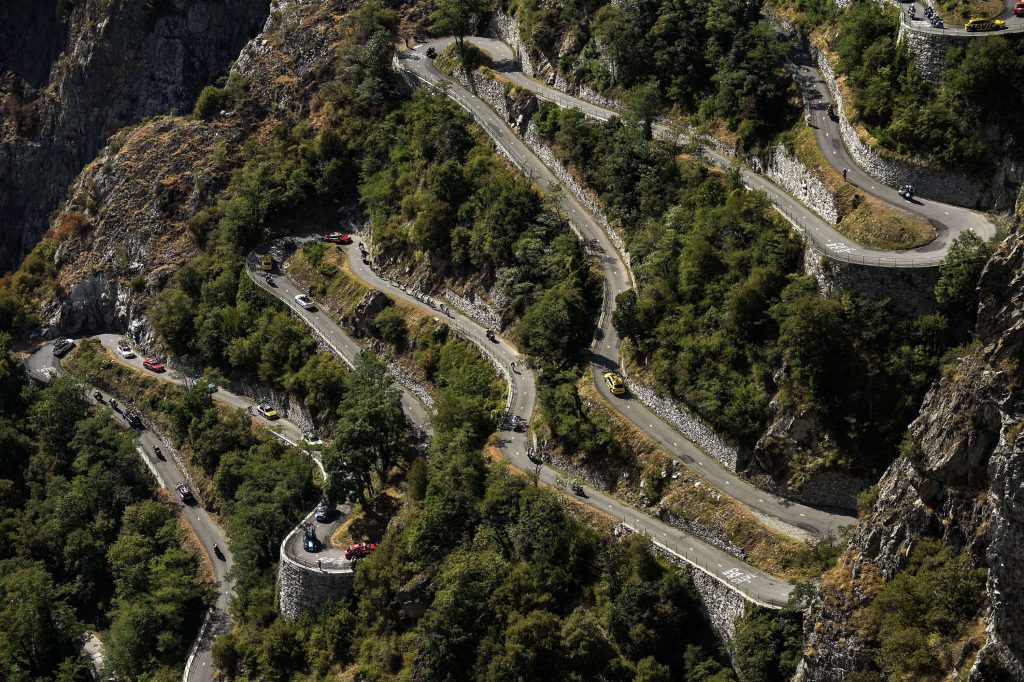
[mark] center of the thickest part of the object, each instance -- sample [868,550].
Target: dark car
[359,550]
[184,494]
[322,513]
[431,53]
[62,347]
[309,540]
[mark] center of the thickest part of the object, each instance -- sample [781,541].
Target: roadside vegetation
[960,124]
[87,543]
[721,304]
[711,61]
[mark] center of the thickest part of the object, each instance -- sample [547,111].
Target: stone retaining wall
[722,605]
[303,589]
[477,310]
[909,290]
[696,430]
[790,173]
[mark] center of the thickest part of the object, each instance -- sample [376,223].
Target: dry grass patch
[865,219]
[369,523]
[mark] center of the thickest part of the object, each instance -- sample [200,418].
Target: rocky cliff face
[960,481]
[130,219]
[75,73]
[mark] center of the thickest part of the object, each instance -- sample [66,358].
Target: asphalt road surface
[43,366]
[948,220]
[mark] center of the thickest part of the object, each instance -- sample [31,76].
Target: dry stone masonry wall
[304,589]
[789,173]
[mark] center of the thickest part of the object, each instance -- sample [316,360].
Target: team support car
[305,301]
[153,365]
[1018,9]
[985,25]
[614,383]
[185,494]
[124,349]
[310,542]
[359,550]
[322,513]
[311,439]
[337,238]
[267,411]
[62,347]
[267,263]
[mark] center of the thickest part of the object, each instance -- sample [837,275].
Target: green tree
[458,18]
[371,436]
[959,272]
[37,627]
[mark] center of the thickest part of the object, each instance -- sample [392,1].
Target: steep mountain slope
[958,481]
[118,63]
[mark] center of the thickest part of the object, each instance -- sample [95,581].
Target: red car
[1018,9]
[153,365]
[359,550]
[338,238]
[184,494]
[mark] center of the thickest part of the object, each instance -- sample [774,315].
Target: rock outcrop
[135,214]
[959,480]
[78,72]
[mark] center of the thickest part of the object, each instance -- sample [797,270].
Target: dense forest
[712,60]
[86,543]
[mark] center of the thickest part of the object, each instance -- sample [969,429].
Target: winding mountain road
[42,365]
[948,220]
[606,349]
[753,584]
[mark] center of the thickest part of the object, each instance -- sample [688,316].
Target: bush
[209,103]
[389,326]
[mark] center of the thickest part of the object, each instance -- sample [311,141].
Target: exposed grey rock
[122,62]
[960,482]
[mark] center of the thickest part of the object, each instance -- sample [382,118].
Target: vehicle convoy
[185,494]
[979,24]
[310,542]
[62,347]
[359,550]
[614,383]
[337,238]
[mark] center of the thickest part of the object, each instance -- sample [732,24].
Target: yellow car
[614,383]
[267,263]
[985,25]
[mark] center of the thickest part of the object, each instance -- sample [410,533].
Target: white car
[305,301]
[311,439]
[62,347]
[125,349]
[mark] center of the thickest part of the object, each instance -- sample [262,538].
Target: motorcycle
[577,489]
[159,453]
[97,396]
[270,280]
